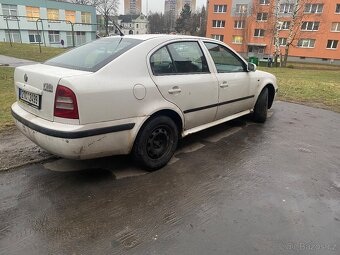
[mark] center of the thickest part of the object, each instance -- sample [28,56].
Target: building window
[136,25]
[70,16]
[32,13]
[9,10]
[218,37]
[286,8]
[259,33]
[218,23]
[53,14]
[306,43]
[86,17]
[237,39]
[264,2]
[241,8]
[239,24]
[34,37]
[13,35]
[337,8]
[54,36]
[335,27]
[313,8]
[284,25]
[262,16]
[282,41]
[332,44]
[310,26]
[220,8]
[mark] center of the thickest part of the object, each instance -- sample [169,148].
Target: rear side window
[179,58]
[95,55]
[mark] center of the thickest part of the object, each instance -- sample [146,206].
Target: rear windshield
[93,56]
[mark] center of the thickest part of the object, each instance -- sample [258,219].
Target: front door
[234,81]
[182,75]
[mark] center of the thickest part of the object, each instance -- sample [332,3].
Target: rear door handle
[175,90]
[224,84]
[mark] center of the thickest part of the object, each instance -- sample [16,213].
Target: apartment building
[132,7]
[249,27]
[49,23]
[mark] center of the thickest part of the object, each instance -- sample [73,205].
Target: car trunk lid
[35,87]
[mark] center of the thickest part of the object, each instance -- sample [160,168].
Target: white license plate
[30,98]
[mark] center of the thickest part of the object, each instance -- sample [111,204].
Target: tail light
[65,104]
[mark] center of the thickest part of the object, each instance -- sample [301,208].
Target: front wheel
[156,143]
[261,107]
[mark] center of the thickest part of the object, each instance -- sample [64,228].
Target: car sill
[211,124]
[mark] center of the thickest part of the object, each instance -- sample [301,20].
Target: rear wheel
[156,143]
[261,107]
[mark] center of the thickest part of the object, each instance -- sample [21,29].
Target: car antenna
[118,28]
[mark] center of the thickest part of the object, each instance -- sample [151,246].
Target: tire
[261,107]
[156,143]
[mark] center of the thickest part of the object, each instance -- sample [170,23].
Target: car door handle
[175,90]
[224,84]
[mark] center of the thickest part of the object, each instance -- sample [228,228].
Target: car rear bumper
[78,141]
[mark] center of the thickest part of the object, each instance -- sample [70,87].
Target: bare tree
[107,8]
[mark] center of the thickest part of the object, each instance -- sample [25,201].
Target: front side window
[332,44]
[95,55]
[53,14]
[32,13]
[9,10]
[225,60]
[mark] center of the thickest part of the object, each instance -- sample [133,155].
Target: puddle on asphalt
[122,167]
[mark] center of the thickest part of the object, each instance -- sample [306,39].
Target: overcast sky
[157,5]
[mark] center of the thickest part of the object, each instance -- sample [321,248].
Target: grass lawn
[7,96]
[29,51]
[318,88]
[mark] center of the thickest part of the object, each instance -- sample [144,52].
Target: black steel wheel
[156,143]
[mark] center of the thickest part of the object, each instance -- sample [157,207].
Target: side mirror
[251,67]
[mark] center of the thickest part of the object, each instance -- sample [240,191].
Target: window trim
[239,22]
[313,26]
[259,36]
[336,8]
[268,2]
[337,30]
[226,8]
[245,65]
[176,73]
[218,21]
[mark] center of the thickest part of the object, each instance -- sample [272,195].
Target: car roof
[166,37]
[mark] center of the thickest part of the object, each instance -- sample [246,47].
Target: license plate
[30,98]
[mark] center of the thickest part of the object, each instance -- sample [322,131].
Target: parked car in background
[136,94]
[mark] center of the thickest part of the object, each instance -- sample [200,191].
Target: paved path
[14,62]
[239,188]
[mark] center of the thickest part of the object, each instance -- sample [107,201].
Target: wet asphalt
[239,188]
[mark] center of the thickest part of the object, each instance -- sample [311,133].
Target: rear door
[235,82]
[182,75]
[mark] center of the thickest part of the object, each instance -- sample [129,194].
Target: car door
[181,73]
[235,82]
